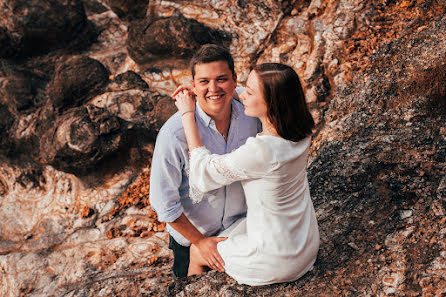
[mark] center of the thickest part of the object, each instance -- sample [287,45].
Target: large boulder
[76,80]
[80,138]
[127,81]
[125,113]
[6,121]
[29,28]
[16,91]
[170,37]
[129,9]
[6,49]
[20,97]
[67,113]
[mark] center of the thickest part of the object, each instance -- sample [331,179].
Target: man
[223,127]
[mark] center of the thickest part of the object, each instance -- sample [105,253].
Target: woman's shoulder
[255,156]
[283,149]
[273,140]
[260,148]
[258,141]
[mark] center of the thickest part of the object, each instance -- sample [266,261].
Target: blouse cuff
[195,194]
[198,151]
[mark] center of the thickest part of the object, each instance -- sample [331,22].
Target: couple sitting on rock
[229,177]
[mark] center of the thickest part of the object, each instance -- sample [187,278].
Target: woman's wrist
[187,111]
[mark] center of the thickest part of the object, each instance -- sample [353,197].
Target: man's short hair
[211,53]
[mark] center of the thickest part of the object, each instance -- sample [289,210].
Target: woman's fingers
[181,89]
[178,90]
[184,95]
[184,101]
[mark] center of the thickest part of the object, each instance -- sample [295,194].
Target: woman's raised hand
[180,89]
[184,100]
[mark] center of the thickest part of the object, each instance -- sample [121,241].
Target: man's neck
[222,121]
[222,124]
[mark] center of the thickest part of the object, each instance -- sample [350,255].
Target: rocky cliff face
[84,89]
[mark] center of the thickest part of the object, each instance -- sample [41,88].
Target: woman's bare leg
[197,264]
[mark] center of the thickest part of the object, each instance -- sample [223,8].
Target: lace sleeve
[209,172]
[224,166]
[194,193]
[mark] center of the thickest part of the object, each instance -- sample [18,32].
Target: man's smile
[215,97]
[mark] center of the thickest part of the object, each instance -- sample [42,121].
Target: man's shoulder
[172,134]
[172,127]
[249,123]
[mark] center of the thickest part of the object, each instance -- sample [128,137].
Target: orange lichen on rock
[86,212]
[388,22]
[137,195]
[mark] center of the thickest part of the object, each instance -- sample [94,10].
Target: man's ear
[236,96]
[192,83]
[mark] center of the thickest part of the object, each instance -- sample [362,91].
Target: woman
[279,239]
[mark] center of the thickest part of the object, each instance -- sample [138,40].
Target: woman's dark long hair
[285,101]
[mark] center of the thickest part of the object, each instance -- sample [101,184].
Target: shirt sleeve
[209,171]
[166,177]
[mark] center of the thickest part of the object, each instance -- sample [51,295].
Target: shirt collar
[206,119]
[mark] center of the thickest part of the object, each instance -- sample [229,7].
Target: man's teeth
[215,97]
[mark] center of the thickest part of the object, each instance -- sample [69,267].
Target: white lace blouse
[279,239]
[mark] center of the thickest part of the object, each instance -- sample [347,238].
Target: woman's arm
[186,106]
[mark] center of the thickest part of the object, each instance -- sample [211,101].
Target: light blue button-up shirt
[169,182]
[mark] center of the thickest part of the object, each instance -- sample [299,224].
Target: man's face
[214,85]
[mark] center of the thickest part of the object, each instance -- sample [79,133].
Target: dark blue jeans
[181,258]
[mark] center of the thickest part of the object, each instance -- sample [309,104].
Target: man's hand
[208,250]
[206,246]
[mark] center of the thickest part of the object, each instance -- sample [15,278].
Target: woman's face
[252,97]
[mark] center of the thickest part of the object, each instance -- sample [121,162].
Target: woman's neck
[268,128]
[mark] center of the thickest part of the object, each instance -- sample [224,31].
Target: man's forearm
[185,228]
